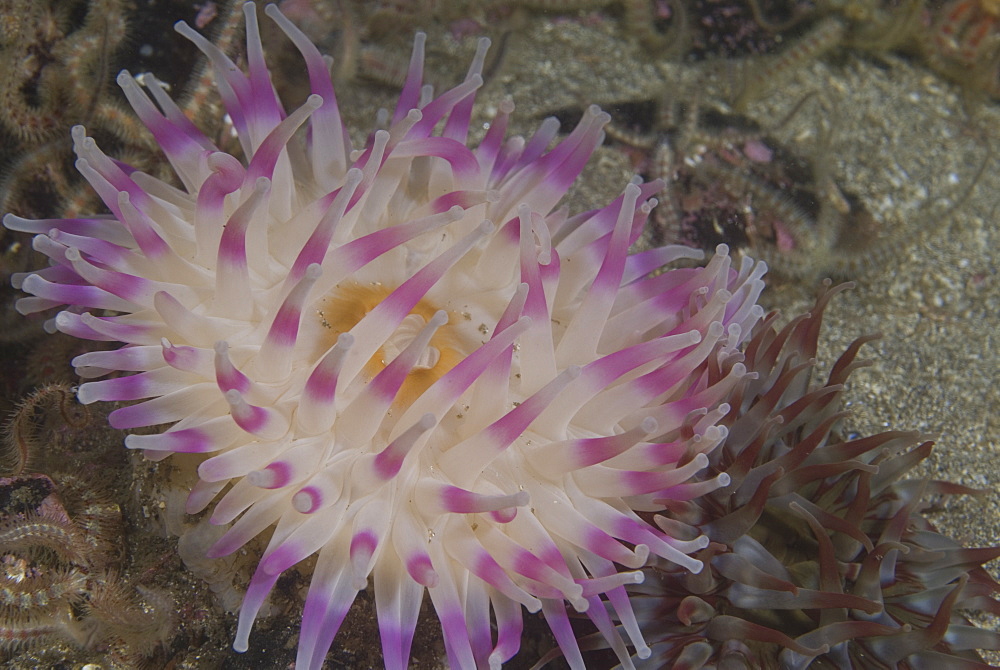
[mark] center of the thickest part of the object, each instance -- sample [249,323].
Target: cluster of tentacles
[820,555]
[58,60]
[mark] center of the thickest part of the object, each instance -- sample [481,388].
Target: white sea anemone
[403,358]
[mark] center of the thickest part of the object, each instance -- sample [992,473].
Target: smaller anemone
[820,554]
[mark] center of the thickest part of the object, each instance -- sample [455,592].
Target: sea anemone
[820,555]
[401,359]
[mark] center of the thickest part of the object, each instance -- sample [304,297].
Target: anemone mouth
[350,302]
